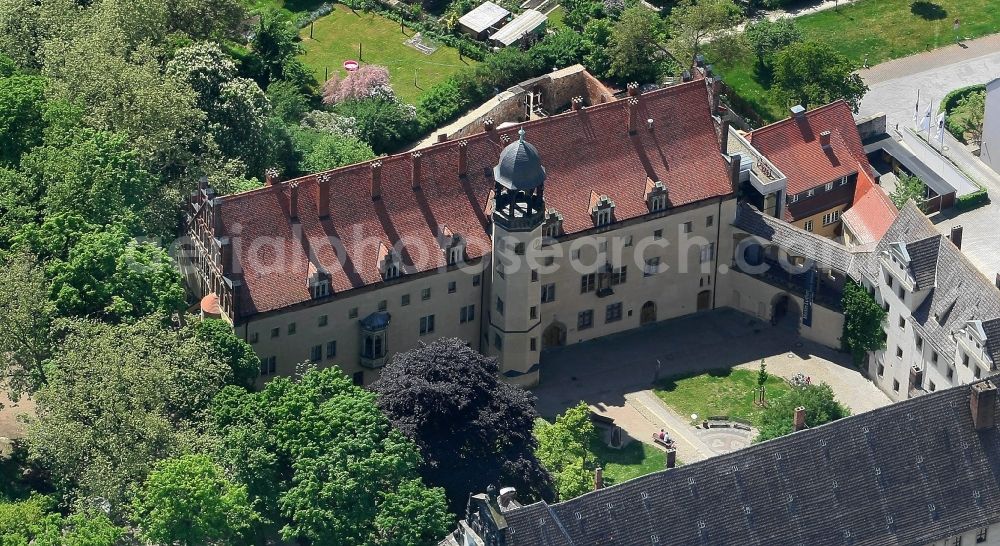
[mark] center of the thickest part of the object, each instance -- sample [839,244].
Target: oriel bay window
[374,345]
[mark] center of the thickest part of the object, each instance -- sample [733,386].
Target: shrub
[973,200]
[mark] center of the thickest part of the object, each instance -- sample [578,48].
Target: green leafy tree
[288,102]
[768,37]
[189,501]
[564,450]
[762,374]
[204,67]
[273,50]
[24,324]
[322,151]
[812,74]
[35,521]
[337,473]
[559,49]
[596,37]
[692,22]
[118,398]
[473,429]
[908,187]
[383,122]
[863,322]
[970,113]
[634,45]
[21,109]
[217,336]
[818,400]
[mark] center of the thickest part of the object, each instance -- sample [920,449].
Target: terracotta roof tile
[582,151]
[871,213]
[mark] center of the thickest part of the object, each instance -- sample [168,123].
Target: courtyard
[616,377]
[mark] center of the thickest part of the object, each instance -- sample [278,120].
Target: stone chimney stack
[489,124]
[633,89]
[463,158]
[376,180]
[916,377]
[271,176]
[724,137]
[671,458]
[577,103]
[323,181]
[633,107]
[799,421]
[293,201]
[598,478]
[798,111]
[415,170]
[956,236]
[442,137]
[824,139]
[983,402]
[734,172]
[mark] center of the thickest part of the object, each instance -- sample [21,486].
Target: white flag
[925,122]
[940,128]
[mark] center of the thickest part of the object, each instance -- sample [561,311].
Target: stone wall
[871,126]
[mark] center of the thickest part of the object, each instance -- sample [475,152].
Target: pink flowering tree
[360,84]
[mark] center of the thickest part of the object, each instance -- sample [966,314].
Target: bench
[668,443]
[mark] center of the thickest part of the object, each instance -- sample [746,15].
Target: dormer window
[389,262]
[656,195]
[553,224]
[453,246]
[318,282]
[602,210]
[321,289]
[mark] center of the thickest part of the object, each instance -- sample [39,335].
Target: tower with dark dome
[515,295]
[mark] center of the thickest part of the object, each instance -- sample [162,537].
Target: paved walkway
[614,374]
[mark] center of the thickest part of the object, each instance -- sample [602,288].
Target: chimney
[798,111]
[442,137]
[956,236]
[686,76]
[671,458]
[463,158]
[824,139]
[983,402]
[577,103]
[293,201]
[489,124]
[598,478]
[633,89]
[724,137]
[735,161]
[699,60]
[799,421]
[415,170]
[271,176]
[323,181]
[376,180]
[633,105]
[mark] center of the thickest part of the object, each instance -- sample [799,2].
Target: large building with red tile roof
[820,153]
[352,265]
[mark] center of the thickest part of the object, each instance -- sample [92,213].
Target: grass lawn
[718,392]
[634,460]
[879,29]
[556,17]
[336,38]
[293,6]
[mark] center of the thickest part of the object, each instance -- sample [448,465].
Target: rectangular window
[499,270]
[981,535]
[427,325]
[828,186]
[534,344]
[619,275]
[708,252]
[951,373]
[902,322]
[548,292]
[425,294]
[957,541]
[899,352]
[519,249]
[575,254]
[291,328]
[895,385]
[881,370]
[404,300]
[810,193]
[603,217]
[809,225]
[452,286]
[467,313]
[843,181]
[652,267]
[831,217]
[613,312]
[533,312]
[688,227]
[549,260]
[475,280]
[658,234]
[331,349]
[316,353]
[902,293]
[584,319]
[979,372]
[934,357]
[709,221]
[353,313]
[275,332]
[793,198]
[627,241]
[602,246]
[323,319]
[931,386]
[383,305]
[534,275]
[499,306]
[254,337]
[268,365]
[587,283]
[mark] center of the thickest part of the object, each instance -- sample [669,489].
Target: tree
[21,108]
[118,398]
[971,111]
[204,67]
[768,37]
[693,22]
[818,400]
[189,501]
[908,187]
[273,50]
[217,336]
[863,321]
[596,37]
[322,151]
[288,102]
[34,521]
[634,45]
[357,85]
[559,49]
[473,429]
[564,450]
[384,123]
[24,324]
[337,473]
[810,73]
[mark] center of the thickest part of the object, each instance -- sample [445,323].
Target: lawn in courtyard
[719,392]
[556,18]
[336,38]
[634,460]
[879,30]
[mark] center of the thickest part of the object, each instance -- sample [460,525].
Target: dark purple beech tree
[472,429]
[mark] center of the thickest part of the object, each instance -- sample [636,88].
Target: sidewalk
[929,60]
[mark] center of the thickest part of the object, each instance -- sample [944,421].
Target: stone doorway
[648,313]
[785,312]
[704,300]
[554,336]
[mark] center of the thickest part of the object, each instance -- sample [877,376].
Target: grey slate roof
[910,473]
[519,167]
[826,252]
[923,260]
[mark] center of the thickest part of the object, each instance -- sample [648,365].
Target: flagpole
[916,110]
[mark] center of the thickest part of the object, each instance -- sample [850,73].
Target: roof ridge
[807,113]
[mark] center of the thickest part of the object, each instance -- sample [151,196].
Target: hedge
[950,101]
[973,200]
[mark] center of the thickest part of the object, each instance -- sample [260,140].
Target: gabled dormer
[318,282]
[452,245]
[602,209]
[389,263]
[656,195]
[553,225]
